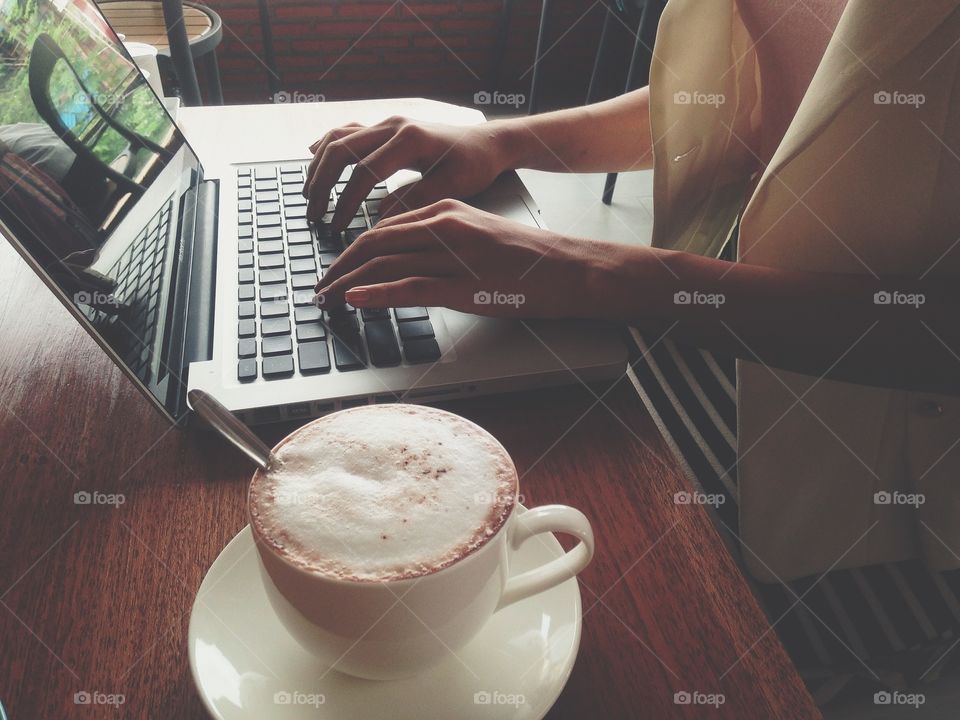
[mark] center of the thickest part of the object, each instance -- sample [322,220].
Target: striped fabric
[893,625]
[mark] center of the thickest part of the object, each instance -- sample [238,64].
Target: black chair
[44,56]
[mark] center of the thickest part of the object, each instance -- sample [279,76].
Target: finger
[424,192]
[383,162]
[409,292]
[420,214]
[387,268]
[316,144]
[317,149]
[334,157]
[374,243]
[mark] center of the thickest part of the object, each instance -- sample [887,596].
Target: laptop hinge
[191,327]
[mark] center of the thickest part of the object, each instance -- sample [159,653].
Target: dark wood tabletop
[97,598]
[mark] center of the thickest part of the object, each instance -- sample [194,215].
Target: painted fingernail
[357,295]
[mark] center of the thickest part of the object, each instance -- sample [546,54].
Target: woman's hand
[454,161]
[451,254]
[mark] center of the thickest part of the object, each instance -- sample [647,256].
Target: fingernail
[357,295]
[319,299]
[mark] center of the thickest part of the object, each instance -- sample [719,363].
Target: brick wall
[444,49]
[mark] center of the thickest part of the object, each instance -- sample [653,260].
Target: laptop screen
[92,170]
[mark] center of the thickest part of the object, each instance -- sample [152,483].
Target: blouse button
[929,408]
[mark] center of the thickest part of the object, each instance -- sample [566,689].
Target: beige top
[866,180]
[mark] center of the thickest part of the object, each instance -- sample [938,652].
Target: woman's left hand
[452,255]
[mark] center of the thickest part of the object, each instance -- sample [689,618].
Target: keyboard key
[247,328]
[304,281]
[297,224]
[244,218]
[269,233]
[244,206]
[413,329]
[265,185]
[243,182]
[247,370]
[245,276]
[299,237]
[278,366]
[247,348]
[245,260]
[292,176]
[375,313]
[244,194]
[270,261]
[311,331]
[267,196]
[348,352]
[274,275]
[302,264]
[267,247]
[268,220]
[268,208]
[350,235]
[358,223]
[327,259]
[297,200]
[411,313]
[277,291]
[314,357]
[295,212]
[382,343]
[342,323]
[303,297]
[307,313]
[301,251]
[245,232]
[245,245]
[275,326]
[246,292]
[420,351]
[244,171]
[274,309]
[277,345]
[264,171]
[247,309]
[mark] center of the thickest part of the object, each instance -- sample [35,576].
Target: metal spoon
[230,426]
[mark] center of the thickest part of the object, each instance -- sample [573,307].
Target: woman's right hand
[455,162]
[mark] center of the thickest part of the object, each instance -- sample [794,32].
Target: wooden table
[97,598]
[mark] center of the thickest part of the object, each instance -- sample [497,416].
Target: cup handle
[547,518]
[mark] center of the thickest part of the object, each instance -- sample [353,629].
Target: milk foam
[383,492]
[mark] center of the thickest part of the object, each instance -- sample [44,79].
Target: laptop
[192,279]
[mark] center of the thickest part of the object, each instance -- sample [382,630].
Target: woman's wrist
[510,143]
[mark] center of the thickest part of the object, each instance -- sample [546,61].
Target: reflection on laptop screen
[92,171]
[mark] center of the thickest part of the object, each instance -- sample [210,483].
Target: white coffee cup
[391,629]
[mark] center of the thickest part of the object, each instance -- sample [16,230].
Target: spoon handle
[230,426]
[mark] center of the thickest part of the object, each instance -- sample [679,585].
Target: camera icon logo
[482,297]
[681,698]
[282,697]
[481,697]
[82,497]
[682,298]
[82,698]
[882,498]
[682,97]
[882,97]
[882,297]
[882,698]
[482,98]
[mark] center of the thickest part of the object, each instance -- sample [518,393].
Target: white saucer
[245,664]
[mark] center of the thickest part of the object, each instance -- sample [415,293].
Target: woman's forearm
[611,136]
[892,331]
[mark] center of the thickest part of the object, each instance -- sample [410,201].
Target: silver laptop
[191,280]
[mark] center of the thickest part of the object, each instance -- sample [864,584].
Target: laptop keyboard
[280,332]
[138,274]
